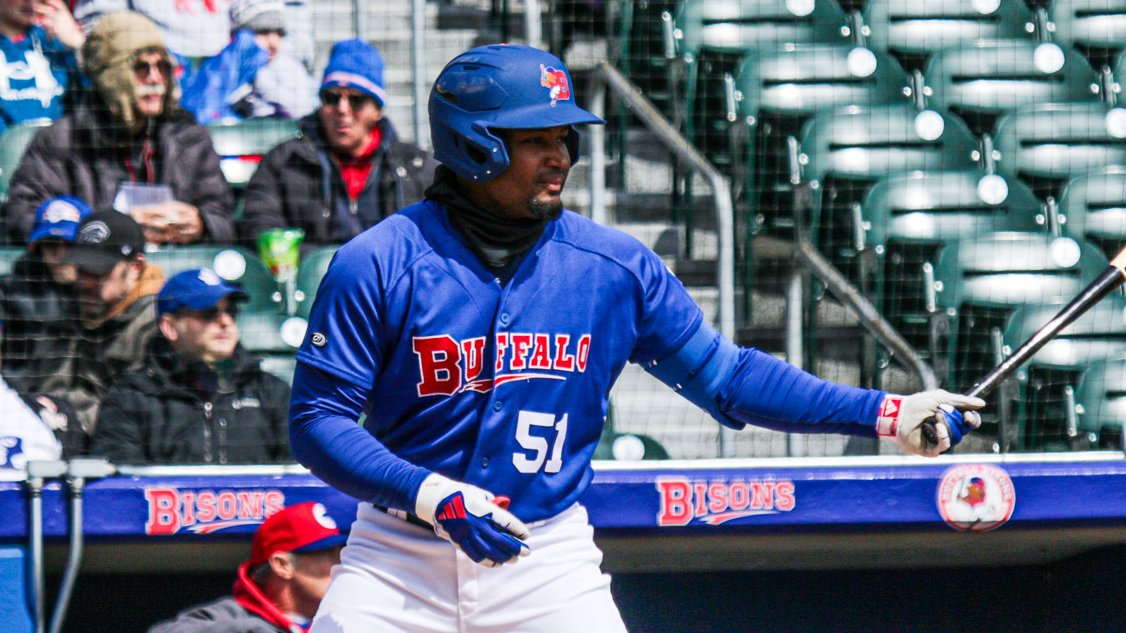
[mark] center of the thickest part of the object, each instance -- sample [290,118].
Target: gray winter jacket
[221,616]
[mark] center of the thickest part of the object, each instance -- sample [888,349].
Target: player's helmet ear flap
[497,87]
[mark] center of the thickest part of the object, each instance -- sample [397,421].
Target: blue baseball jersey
[503,386]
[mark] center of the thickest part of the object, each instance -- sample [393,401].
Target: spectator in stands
[200,398]
[193,28]
[280,587]
[128,146]
[37,63]
[348,170]
[37,299]
[251,77]
[116,291]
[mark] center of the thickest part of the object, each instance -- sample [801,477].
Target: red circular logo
[976,497]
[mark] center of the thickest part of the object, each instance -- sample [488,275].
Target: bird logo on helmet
[499,87]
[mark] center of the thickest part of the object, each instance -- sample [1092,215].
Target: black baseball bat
[1106,282]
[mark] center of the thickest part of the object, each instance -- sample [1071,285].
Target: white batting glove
[468,517]
[901,420]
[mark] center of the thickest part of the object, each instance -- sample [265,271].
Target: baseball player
[479,331]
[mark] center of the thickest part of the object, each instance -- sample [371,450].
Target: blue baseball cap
[195,289]
[58,218]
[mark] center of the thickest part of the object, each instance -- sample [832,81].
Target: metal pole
[37,472]
[418,71]
[533,26]
[357,18]
[598,156]
[79,471]
[794,351]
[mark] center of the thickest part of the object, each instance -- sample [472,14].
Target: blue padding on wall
[15,615]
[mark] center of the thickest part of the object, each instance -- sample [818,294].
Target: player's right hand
[901,420]
[471,519]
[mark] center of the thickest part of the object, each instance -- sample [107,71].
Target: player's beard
[545,209]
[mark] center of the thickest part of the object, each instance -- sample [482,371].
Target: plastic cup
[280,249]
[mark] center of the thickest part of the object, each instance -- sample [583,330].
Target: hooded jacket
[173,411]
[247,611]
[91,151]
[36,320]
[299,185]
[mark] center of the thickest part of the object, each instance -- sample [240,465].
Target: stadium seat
[979,281]
[233,263]
[845,152]
[628,447]
[777,91]
[270,333]
[1040,404]
[977,284]
[907,220]
[1095,27]
[983,80]
[8,257]
[1093,208]
[313,267]
[1100,405]
[13,142]
[912,31]
[241,145]
[714,34]
[280,366]
[1048,144]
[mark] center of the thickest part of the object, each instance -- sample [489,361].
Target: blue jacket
[34,74]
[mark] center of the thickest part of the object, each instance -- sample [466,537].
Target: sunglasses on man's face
[144,69]
[213,313]
[356,102]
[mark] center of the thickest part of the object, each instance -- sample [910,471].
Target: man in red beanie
[280,587]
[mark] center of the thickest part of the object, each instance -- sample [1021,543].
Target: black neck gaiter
[498,242]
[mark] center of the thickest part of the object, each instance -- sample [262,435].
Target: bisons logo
[556,83]
[205,511]
[976,497]
[717,502]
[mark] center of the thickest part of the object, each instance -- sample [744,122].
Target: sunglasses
[356,102]
[144,69]
[212,313]
[280,32]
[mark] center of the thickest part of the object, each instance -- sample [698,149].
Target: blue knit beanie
[357,65]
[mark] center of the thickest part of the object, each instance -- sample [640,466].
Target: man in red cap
[280,587]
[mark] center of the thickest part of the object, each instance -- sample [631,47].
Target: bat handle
[954,421]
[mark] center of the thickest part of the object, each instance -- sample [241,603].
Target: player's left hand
[901,420]
[472,519]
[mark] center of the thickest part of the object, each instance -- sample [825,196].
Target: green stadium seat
[1095,27]
[1093,208]
[1040,404]
[909,217]
[1048,144]
[234,263]
[8,257]
[309,273]
[268,332]
[977,284]
[913,31]
[982,80]
[241,145]
[776,92]
[1100,405]
[280,366]
[13,142]
[844,152]
[628,447]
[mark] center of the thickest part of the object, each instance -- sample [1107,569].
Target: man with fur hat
[348,170]
[280,586]
[129,146]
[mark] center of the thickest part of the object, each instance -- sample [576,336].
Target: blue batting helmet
[500,86]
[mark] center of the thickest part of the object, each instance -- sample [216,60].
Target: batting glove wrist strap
[900,420]
[468,517]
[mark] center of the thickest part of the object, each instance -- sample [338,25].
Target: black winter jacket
[299,185]
[38,317]
[77,156]
[177,412]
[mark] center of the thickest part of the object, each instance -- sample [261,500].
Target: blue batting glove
[473,520]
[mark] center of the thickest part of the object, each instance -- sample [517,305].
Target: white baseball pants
[397,576]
